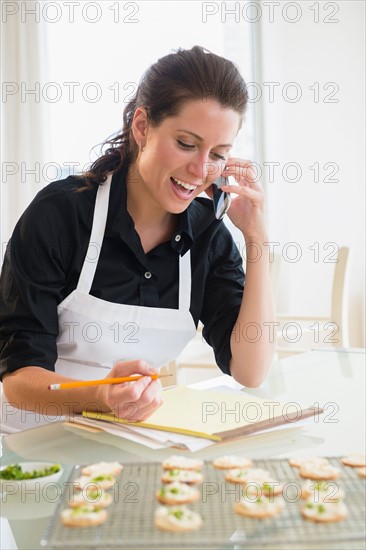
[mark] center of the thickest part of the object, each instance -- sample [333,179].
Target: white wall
[84,63]
[314,130]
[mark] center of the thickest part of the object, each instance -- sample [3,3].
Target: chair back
[340,296]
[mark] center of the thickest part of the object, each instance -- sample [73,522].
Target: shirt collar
[191,222]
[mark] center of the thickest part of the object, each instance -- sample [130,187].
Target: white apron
[94,333]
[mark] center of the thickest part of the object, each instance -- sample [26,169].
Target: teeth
[185,185]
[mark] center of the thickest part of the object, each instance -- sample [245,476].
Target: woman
[108,274]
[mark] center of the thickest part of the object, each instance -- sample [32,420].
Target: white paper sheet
[156,439]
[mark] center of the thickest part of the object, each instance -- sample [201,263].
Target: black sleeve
[223,295]
[31,283]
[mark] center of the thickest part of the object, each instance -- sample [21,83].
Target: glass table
[331,380]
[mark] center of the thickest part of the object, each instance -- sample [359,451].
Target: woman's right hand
[132,401]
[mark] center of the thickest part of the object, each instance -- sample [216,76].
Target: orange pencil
[83,383]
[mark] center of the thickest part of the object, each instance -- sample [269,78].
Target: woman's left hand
[247,207]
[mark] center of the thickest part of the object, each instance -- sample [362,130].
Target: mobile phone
[221,200]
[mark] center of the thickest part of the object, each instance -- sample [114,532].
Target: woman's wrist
[256,246]
[259,238]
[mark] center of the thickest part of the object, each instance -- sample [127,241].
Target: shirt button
[147,275]
[177,238]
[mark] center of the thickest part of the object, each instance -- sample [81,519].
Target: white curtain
[23,112]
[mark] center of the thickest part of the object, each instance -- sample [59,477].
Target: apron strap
[95,244]
[185,280]
[96,238]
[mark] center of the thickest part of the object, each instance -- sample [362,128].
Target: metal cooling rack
[130,522]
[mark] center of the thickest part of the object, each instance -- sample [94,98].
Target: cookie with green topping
[177,518]
[182,463]
[324,512]
[229,462]
[355,460]
[321,491]
[260,508]
[177,493]
[98,481]
[101,468]
[184,476]
[245,475]
[269,487]
[91,497]
[83,516]
[320,472]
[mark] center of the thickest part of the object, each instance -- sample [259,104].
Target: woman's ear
[140,124]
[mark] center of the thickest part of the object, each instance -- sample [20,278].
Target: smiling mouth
[183,187]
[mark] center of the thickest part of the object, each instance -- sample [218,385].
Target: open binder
[214,415]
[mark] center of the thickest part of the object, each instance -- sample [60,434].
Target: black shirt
[46,252]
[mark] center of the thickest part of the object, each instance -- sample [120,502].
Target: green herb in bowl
[15,472]
[29,476]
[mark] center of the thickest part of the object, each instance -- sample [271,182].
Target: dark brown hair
[184,75]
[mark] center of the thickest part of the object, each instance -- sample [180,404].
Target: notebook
[215,415]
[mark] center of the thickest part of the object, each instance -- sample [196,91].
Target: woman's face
[186,153]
